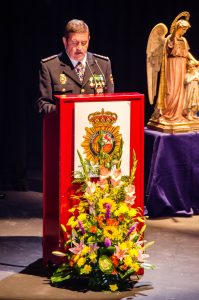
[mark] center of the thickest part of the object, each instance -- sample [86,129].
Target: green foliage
[106,242]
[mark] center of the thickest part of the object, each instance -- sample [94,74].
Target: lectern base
[173,128]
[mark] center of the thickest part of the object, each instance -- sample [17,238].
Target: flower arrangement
[106,243]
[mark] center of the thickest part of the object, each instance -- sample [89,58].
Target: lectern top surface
[96,97]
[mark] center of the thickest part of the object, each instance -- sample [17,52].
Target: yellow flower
[72,209]
[82,217]
[128,261]
[82,208]
[76,257]
[130,244]
[85,250]
[110,232]
[124,246]
[113,287]
[135,267]
[104,201]
[92,257]
[122,209]
[132,212]
[133,252]
[72,222]
[81,261]
[86,270]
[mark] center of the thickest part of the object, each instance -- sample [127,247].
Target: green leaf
[142,229]
[149,244]
[148,266]
[57,279]
[83,165]
[78,180]
[63,227]
[62,268]
[135,238]
[127,274]
[107,250]
[133,170]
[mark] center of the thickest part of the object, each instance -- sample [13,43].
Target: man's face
[76,45]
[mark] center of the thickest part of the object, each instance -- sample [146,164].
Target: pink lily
[93,247]
[120,254]
[142,256]
[78,247]
[92,208]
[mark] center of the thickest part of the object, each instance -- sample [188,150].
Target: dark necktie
[80,70]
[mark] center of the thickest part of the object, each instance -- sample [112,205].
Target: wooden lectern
[60,130]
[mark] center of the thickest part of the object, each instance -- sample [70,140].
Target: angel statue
[169,55]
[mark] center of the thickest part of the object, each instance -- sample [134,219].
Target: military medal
[91,80]
[97,83]
[62,78]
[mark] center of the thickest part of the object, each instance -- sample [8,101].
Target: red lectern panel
[58,160]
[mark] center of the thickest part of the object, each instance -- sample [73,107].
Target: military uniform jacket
[58,76]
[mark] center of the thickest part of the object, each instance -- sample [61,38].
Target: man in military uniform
[74,71]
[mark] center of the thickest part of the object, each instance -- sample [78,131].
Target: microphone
[101,72]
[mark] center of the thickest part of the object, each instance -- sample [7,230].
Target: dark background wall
[31,30]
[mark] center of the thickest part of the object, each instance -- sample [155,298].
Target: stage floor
[23,277]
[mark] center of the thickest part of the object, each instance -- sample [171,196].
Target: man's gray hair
[75,26]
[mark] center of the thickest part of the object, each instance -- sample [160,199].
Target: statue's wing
[154,55]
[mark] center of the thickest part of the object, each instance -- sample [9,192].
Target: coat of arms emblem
[102,136]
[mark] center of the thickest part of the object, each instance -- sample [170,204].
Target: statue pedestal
[166,127]
[171,173]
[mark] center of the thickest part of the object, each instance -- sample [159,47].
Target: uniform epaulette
[101,56]
[48,58]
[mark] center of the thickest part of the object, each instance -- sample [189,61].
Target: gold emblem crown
[103,118]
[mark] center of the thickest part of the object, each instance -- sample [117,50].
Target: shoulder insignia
[49,58]
[101,56]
